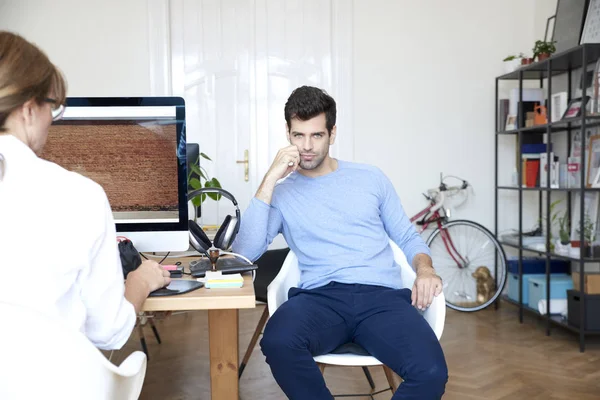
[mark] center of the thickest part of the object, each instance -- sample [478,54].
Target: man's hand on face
[427,285]
[286,161]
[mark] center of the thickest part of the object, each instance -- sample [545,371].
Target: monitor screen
[135,148]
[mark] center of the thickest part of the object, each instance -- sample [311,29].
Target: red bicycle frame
[437,218]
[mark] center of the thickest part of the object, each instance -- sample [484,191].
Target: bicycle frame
[439,219]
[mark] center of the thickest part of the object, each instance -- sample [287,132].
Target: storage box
[591,282]
[559,284]
[592,310]
[533,265]
[513,286]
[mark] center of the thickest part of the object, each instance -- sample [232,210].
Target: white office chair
[289,276]
[41,358]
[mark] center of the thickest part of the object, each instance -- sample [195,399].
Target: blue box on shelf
[534,148]
[559,284]
[513,286]
[536,265]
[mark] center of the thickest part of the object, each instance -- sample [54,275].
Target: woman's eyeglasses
[57,109]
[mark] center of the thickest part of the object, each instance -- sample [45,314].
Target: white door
[236,62]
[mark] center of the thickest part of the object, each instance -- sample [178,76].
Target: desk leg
[224,343]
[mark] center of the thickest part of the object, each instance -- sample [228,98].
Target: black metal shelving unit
[564,63]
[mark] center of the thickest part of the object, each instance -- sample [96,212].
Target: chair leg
[389,374]
[321,368]
[143,340]
[156,335]
[257,332]
[369,377]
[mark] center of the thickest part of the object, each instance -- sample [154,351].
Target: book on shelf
[574,172]
[554,168]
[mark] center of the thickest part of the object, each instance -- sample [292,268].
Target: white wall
[423,76]
[101,46]
[424,91]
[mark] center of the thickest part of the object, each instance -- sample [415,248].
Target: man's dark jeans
[380,319]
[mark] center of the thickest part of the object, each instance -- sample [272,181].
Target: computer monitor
[135,148]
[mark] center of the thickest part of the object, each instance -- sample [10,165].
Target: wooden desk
[222,306]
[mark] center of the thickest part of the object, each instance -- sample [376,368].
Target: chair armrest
[288,276]
[134,364]
[275,294]
[435,315]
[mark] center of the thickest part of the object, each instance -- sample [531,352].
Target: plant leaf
[198,170]
[205,156]
[199,199]
[196,201]
[205,174]
[195,183]
[213,183]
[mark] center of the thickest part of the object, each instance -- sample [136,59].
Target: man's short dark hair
[307,102]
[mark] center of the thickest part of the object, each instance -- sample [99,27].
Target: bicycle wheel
[458,249]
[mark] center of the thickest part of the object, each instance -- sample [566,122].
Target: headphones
[226,233]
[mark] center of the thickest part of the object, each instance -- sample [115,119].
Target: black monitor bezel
[182,184]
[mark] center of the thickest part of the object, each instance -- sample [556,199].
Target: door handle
[246,165]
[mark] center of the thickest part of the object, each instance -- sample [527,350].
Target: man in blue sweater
[338,218]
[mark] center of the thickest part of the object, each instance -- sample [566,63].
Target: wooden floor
[489,354]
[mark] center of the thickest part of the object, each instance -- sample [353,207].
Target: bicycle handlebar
[444,188]
[451,188]
[439,192]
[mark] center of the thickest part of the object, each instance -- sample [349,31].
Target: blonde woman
[58,248]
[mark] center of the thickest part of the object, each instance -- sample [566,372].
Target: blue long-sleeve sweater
[339,226]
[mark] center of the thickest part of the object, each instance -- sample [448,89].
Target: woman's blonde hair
[26,73]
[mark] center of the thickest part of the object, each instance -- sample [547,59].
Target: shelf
[556,126]
[565,61]
[545,189]
[551,255]
[554,319]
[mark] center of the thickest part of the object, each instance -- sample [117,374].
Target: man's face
[312,140]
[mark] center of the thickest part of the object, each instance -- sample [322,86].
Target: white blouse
[58,248]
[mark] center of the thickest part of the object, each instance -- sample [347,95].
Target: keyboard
[227,265]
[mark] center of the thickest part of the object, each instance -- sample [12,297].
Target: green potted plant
[589,235]
[553,217]
[203,181]
[542,49]
[525,60]
[563,222]
[513,57]
[513,62]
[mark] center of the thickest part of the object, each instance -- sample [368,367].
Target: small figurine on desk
[213,255]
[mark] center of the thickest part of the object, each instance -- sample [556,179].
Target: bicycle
[451,243]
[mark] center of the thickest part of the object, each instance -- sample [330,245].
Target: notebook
[225,281]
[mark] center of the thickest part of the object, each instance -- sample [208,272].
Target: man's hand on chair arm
[427,284]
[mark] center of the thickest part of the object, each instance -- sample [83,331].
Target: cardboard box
[591,282]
